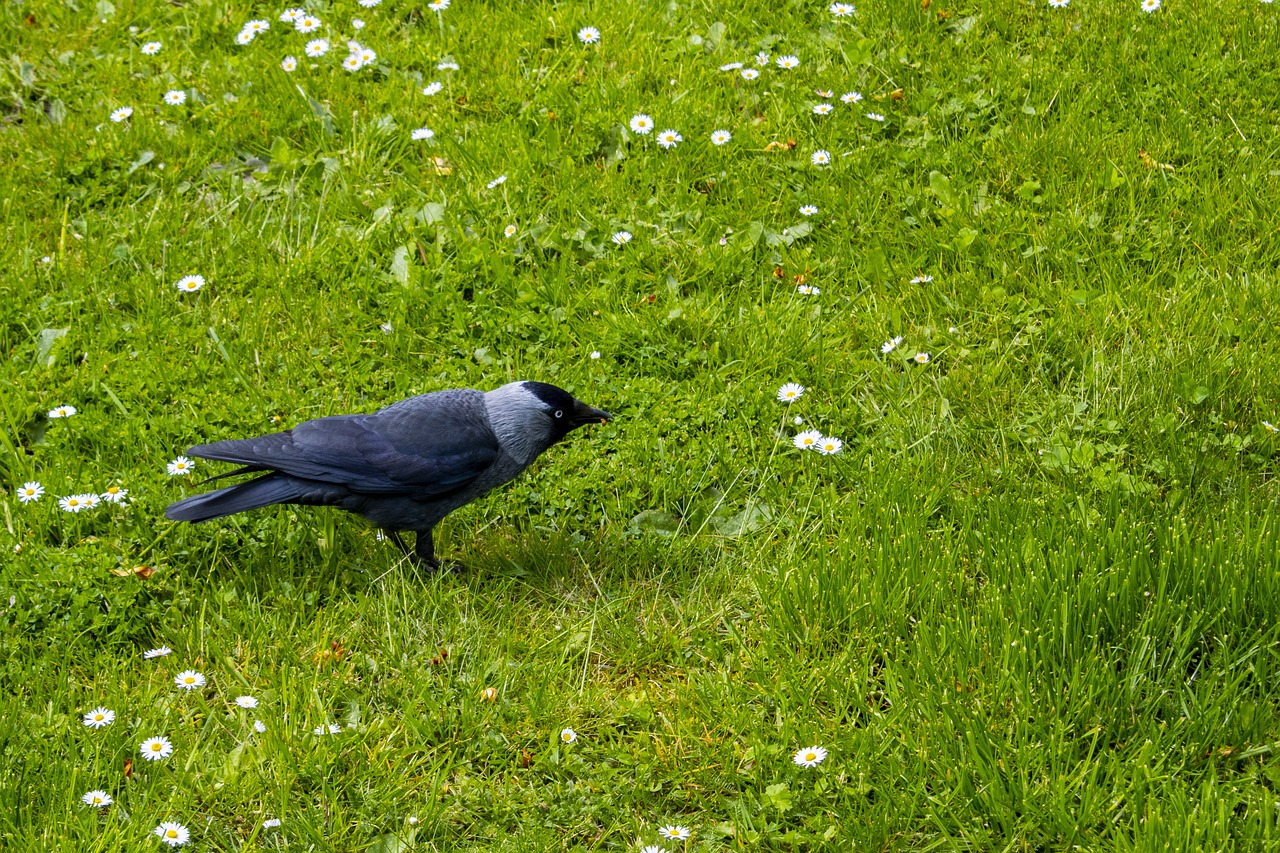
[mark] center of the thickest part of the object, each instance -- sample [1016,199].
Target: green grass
[1034,604]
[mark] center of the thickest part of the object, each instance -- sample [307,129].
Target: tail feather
[264,491]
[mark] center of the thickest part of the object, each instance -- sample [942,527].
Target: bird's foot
[433,566]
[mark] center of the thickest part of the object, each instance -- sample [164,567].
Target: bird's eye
[559,414]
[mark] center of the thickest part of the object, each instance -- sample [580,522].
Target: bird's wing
[421,447]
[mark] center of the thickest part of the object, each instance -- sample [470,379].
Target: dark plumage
[405,467]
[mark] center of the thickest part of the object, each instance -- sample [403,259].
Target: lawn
[1023,594]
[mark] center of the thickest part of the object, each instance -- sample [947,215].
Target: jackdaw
[405,467]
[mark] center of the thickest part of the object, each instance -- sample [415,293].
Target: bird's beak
[584,414]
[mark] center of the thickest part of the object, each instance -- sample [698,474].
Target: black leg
[425,552]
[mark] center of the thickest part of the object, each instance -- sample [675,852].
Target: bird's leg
[425,554]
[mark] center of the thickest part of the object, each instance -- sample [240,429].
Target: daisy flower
[73,503]
[423,133]
[822,93]
[190,283]
[189,679]
[307,24]
[595,355]
[172,833]
[821,157]
[433,87]
[890,345]
[509,231]
[875,116]
[119,115]
[822,109]
[259,726]
[669,138]
[90,500]
[790,392]
[621,237]
[97,799]
[750,74]
[247,701]
[271,823]
[156,748]
[256,27]
[788,62]
[807,439]
[438,5]
[501,179]
[331,728]
[357,24]
[568,735]
[152,654]
[922,279]
[731,66]
[808,209]
[762,58]
[175,97]
[588,35]
[851,97]
[810,757]
[369,4]
[151,48]
[828,446]
[804,289]
[316,47]
[921,358]
[244,37]
[720,137]
[289,63]
[61,412]
[30,492]
[1059,4]
[1150,5]
[446,65]
[653,848]
[288,16]
[352,62]
[842,10]
[367,56]
[99,717]
[114,494]
[641,124]
[674,833]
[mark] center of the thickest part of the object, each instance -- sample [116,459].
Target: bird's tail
[264,491]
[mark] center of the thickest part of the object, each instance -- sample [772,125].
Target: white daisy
[652,848]
[99,717]
[890,345]
[922,279]
[357,24]
[811,757]
[674,833]
[172,833]
[156,748]
[190,283]
[595,355]
[808,209]
[669,138]
[1150,5]
[588,35]
[731,66]
[90,500]
[189,679]
[97,799]
[316,47]
[247,701]
[289,63]
[621,237]
[73,503]
[151,48]
[921,358]
[851,97]
[273,822]
[641,124]
[438,5]
[257,27]
[114,494]
[62,412]
[119,115]
[828,446]
[423,133]
[822,93]
[352,62]
[822,109]
[288,16]
[1059,4]
[875,116]
[804,289]
[30,492]
[509,231]
[259,726]
[331,729]
[842,10]
[807,439]
[762,58]
[446,65]
[367,55]
[720,137]
[369,4]
[433,87]
[790,392]
[244,37]
[175,97]
[307,24]
[159,652]
[788,62]
[750,74]
[821,157]
[181,465]
[501,179]
[568,735]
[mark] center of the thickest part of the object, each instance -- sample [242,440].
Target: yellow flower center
[810,756]
[171,833]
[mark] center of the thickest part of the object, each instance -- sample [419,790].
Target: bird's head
[529,417]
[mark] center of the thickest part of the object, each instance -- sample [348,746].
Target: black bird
[405,467]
